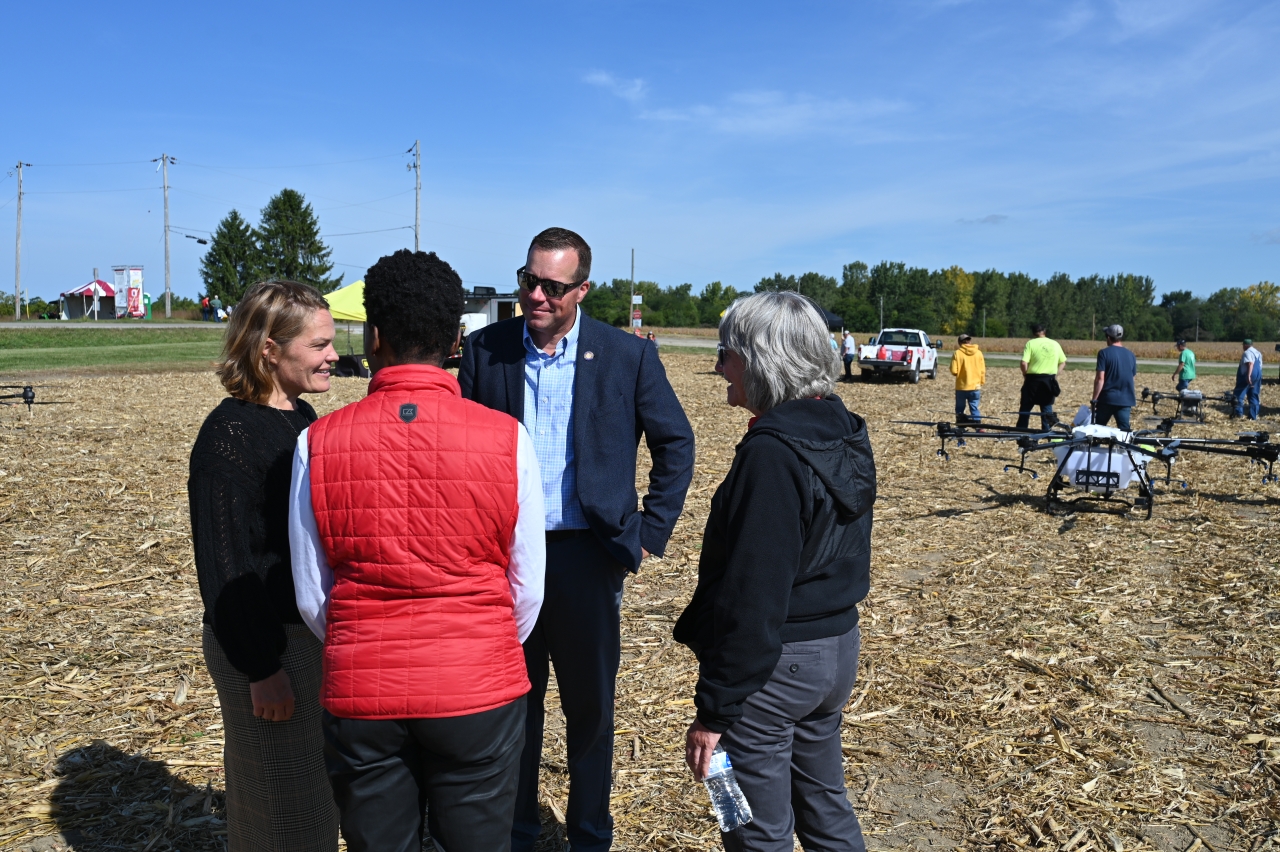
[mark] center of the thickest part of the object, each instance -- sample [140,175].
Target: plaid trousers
[278,793]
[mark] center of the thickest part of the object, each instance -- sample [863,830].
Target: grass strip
[93,356]
[91,338]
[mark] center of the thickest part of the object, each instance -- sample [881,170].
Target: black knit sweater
[239,494]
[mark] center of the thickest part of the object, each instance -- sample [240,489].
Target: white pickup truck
[903,351]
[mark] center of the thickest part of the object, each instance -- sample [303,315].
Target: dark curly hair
[415,301]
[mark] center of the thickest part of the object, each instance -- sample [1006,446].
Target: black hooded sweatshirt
[786,554]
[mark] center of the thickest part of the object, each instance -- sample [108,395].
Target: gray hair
[784,346]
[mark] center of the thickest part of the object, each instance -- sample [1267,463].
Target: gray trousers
[786,752]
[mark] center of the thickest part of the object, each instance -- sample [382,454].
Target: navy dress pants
[578,632]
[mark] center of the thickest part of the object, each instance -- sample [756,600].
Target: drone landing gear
[1022,467]
[1168,479]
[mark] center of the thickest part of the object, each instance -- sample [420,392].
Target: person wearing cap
[1249,381]
[849,354]
[1042,363]
[970,370]
[1113,394]
[1185,374]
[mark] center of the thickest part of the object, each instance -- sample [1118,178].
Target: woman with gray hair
[785,560]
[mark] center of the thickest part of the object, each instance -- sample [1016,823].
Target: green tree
[608,302]
[677,306]
[715,297]
[853,302]
[232,263]
[823,289]
[777,283]
[990,303]
[289,244]
[958,310]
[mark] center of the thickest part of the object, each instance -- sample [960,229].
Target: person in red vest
[416,527]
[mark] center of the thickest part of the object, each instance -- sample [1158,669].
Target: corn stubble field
[1079,683]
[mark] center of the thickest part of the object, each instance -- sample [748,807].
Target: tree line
[284,244]
[988,303]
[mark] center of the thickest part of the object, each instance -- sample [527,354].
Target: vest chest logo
[408,411]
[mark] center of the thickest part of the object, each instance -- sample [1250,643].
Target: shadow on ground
[106,799]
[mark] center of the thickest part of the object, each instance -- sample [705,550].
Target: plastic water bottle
[727,799]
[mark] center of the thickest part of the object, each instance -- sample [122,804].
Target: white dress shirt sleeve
[312,577]
[528,564]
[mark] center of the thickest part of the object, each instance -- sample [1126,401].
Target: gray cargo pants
[786,752]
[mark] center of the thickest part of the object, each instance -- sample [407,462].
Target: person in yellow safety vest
[970,370]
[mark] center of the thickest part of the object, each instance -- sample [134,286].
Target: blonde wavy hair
[271,310]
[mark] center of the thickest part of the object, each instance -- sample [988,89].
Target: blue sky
[722,141]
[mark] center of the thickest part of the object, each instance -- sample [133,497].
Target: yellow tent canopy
[348,303]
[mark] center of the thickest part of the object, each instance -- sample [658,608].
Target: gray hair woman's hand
[699,742]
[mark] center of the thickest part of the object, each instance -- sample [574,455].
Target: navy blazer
[619,389]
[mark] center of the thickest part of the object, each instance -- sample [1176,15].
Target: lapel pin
[588,355]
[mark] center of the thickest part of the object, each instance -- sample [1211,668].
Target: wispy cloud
[1271,237]
[1076,19]
[1141,17]
[992,219]
[771,113]
[629,90]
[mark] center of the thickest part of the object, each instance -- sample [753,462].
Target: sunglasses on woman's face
[720,350]
[551,288]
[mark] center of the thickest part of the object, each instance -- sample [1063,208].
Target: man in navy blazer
[586,392]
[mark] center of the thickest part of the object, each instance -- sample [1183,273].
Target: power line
[363,203]
[337,201]
[90,191]
[379,231]
[80,165]
[300,166]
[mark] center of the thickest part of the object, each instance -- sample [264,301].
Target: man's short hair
[1037,328]
[555,239]
[415,301]
[1115,331]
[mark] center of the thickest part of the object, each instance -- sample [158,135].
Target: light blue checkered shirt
[548,415]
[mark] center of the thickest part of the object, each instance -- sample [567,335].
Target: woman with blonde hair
[264,661]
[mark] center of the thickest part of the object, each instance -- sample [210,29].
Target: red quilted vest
[414,493]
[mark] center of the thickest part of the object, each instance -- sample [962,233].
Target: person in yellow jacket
[970,370]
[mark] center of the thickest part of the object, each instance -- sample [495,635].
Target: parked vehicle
[905,352]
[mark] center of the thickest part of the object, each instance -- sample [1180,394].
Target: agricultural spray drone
[1102,461]
[26,396]
[1190,402]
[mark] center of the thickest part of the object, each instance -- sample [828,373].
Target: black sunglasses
[550,288]
[720,350]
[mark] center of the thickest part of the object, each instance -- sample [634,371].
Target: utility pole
[416,166]
[631,308]
[882,312]
[984,322]
[165,160]
[417,192]
[17,252]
